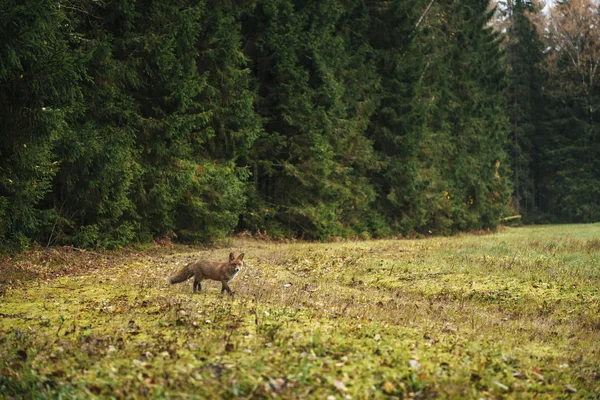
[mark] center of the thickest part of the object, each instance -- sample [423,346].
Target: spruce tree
[525,103]
[569,189]
[39,75]
[165,114]
[396,127]
[193,102]
[92,192]
[308,163]
[441,123]
[478,168]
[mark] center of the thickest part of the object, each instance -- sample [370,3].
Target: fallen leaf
[414,364]
[570,389]
[449,328]
[339,385]
[277,384]
[389,387]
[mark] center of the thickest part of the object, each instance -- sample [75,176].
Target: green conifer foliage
[165,113]
[38,83]
[193,102]
[441,123]
[397,125]
[308,163]
[525,103]
[92,190]
[478,170]
[133,119]
[569,184]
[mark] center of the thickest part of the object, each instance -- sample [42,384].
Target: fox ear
[231,257]
[241,257]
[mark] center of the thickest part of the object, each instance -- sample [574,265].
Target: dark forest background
[124,120]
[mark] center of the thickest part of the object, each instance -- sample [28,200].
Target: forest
[127,120]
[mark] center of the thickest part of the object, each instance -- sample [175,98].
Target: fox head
[235,264]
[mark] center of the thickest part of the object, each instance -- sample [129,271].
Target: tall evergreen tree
[396,127]
[132,119]
[524,54]
[441,120]
[166,113]
[479,169]
[39,72]
[308,163]
[92,192]
[570,168]
[194,104]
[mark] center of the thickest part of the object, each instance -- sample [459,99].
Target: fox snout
[234,271]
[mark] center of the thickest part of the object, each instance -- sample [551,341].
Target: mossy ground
[515,314]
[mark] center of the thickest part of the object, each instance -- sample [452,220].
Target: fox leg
[225,287]
[197,286]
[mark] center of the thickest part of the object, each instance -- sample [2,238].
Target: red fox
[207,269]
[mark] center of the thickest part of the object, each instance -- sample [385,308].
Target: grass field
[515,314]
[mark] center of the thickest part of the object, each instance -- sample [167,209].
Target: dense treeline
[125,120]
[553,104]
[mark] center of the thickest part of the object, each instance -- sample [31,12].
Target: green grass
[514,314]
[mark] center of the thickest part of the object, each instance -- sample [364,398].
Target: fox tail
[183,275]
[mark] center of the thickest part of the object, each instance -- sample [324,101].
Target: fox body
[214,270]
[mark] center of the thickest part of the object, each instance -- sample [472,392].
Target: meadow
[511,314]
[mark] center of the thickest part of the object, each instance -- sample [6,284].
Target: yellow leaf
[119,310]
[389,387]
